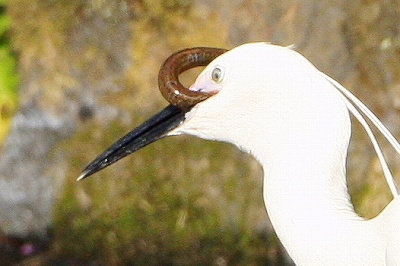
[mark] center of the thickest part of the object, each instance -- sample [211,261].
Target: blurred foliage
[49,23]
[9,78]
[42,38]
[372,36]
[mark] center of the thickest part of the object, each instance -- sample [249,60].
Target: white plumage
[274,104]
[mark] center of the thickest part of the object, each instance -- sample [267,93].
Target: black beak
[153,129]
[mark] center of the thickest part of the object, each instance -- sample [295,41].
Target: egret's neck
[303,147]
[303,150]
[306,176]
[310,209]
[307,185]
[305,191]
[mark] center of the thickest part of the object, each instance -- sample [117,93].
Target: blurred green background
[93,65]
[8,75]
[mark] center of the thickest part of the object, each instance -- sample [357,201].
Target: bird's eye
[216,74]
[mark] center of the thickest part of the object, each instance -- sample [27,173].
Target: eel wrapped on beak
[181,100]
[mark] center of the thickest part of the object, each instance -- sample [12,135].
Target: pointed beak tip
[153,129]
[82,176]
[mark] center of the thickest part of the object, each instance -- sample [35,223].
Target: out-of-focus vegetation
[8,75]
[372,35]
[181,200]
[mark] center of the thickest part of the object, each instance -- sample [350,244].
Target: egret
[271,102]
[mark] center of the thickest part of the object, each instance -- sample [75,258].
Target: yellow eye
[217,75]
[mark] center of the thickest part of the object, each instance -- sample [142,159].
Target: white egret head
[266,96]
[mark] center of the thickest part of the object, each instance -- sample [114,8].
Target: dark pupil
[216,74]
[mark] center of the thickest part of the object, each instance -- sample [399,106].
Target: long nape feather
[359,110]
